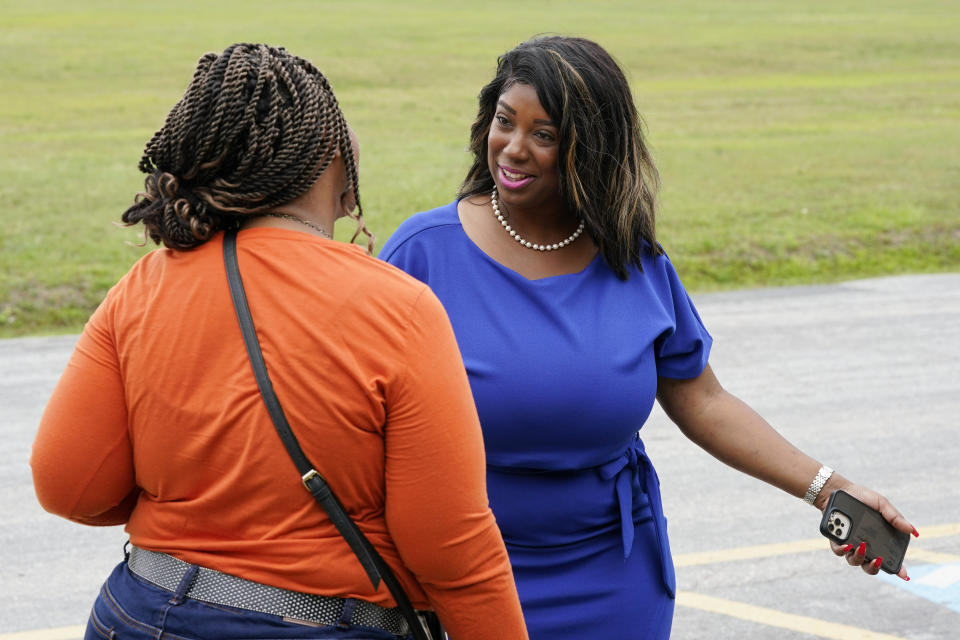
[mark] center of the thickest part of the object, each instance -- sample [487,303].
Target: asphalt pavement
[862,375]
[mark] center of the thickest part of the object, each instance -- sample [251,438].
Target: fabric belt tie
[215,587]
[634,464]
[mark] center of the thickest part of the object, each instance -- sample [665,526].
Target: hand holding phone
[846,520]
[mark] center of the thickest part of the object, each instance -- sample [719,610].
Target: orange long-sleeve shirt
[157,423]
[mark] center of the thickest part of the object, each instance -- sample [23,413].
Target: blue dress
[564,374]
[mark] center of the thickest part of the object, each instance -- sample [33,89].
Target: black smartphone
[846,520]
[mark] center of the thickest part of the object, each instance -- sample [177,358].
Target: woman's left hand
[856,554]
[731,431]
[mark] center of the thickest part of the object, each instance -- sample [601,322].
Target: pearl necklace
[526,243]
[312,225]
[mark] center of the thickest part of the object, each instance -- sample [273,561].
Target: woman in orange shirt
[157,422]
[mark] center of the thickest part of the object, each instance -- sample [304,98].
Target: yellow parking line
[813,544]
[940,530]
[747,553]
[930,557]
[60,633]
[779,619]
[753,613]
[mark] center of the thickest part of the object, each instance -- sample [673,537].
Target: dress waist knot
[634,464]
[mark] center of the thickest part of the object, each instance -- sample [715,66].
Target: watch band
[817,485]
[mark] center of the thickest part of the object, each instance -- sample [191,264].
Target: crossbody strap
[374,565]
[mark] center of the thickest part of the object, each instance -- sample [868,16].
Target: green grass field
[797,142]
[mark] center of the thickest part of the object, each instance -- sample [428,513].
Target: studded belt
[214,587]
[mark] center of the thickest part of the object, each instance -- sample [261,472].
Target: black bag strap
[374,565]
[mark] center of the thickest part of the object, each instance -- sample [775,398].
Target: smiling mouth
[514,179]
[514,175]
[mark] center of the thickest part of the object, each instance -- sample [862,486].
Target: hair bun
[172,213]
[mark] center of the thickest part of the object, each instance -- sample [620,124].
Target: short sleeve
[683,350]
[411,248]
[403,254]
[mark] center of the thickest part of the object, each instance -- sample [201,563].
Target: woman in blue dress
[571,321]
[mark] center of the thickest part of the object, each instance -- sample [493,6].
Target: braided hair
[255,129]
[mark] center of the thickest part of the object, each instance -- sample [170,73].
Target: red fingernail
[847,548]
[916,534]
[907,578]
[862,549]
[877,563]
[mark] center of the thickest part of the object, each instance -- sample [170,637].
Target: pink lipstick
[511,179]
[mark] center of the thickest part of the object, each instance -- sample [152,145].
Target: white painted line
[939,584]
[942,578]
[778,619]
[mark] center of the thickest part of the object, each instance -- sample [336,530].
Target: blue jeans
[129,607]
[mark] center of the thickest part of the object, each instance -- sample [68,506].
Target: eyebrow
[514,112]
